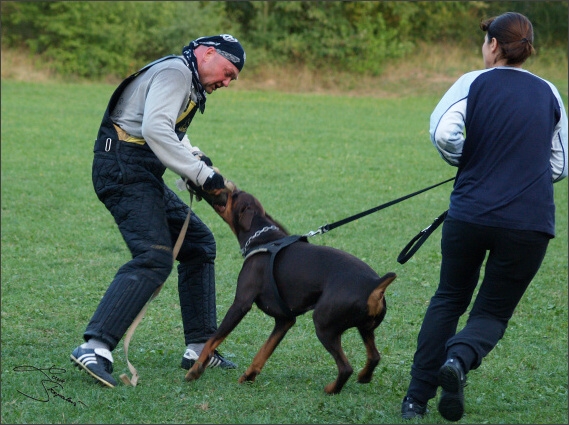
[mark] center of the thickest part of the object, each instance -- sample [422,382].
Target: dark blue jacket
[506,130]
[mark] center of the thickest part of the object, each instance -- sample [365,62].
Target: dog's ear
[246,218]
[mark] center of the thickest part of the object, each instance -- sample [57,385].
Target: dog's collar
[256,235]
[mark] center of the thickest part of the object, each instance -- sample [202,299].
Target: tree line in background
[94,39]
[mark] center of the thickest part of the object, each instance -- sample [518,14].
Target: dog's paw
[248,377]
[195,372]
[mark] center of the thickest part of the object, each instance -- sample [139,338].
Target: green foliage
[445,21]
[96,39]
[336,35]
[114,38]
[549,19]
[311,160]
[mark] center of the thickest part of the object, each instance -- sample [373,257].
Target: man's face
[215,71]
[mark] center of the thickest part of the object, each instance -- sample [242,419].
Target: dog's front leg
[234,315]
[279,331]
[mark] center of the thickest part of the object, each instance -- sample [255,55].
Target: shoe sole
[80,365]
[412,415]
[451,403]
[451,406]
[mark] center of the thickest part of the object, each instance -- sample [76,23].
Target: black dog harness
[274,248]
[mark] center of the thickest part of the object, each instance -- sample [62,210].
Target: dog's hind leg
[373,356]
[332,341]
[282,326]
[376,313]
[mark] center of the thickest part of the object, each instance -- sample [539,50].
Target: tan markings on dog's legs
[201,363]
[281,328]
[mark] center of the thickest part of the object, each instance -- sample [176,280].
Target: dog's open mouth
[219,208]
[217,200]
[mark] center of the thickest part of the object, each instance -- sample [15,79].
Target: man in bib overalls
[142,133]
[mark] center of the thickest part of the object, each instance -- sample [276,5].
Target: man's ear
[209,53]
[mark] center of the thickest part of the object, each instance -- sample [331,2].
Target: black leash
[328,227]
[419,239]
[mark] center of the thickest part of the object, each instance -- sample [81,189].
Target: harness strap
[274,248]
[130,332]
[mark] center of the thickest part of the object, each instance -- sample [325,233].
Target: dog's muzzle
[217,199]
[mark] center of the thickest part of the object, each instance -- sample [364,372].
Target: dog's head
[236,207]
[240,209]
[216,198]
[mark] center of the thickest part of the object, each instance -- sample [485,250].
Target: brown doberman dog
[285,276]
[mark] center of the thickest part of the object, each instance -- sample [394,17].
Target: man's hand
[214,182]
[202,157]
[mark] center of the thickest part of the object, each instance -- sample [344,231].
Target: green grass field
[311,160]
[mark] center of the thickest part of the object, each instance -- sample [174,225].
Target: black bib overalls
[127,178]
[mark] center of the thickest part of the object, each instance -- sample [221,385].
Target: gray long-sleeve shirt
[149,107]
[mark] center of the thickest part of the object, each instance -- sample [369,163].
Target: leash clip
[321,230]
[312,233]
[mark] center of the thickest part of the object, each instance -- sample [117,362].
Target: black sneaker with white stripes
[97,362]
[217,360]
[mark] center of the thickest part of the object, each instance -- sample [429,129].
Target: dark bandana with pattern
[192,64]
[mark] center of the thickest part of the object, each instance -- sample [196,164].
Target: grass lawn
[311,159]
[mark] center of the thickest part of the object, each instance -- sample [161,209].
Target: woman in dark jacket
[506,131]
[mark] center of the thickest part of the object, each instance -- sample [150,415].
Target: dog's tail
[374,301]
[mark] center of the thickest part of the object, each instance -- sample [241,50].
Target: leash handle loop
[133,380]
[418,240]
